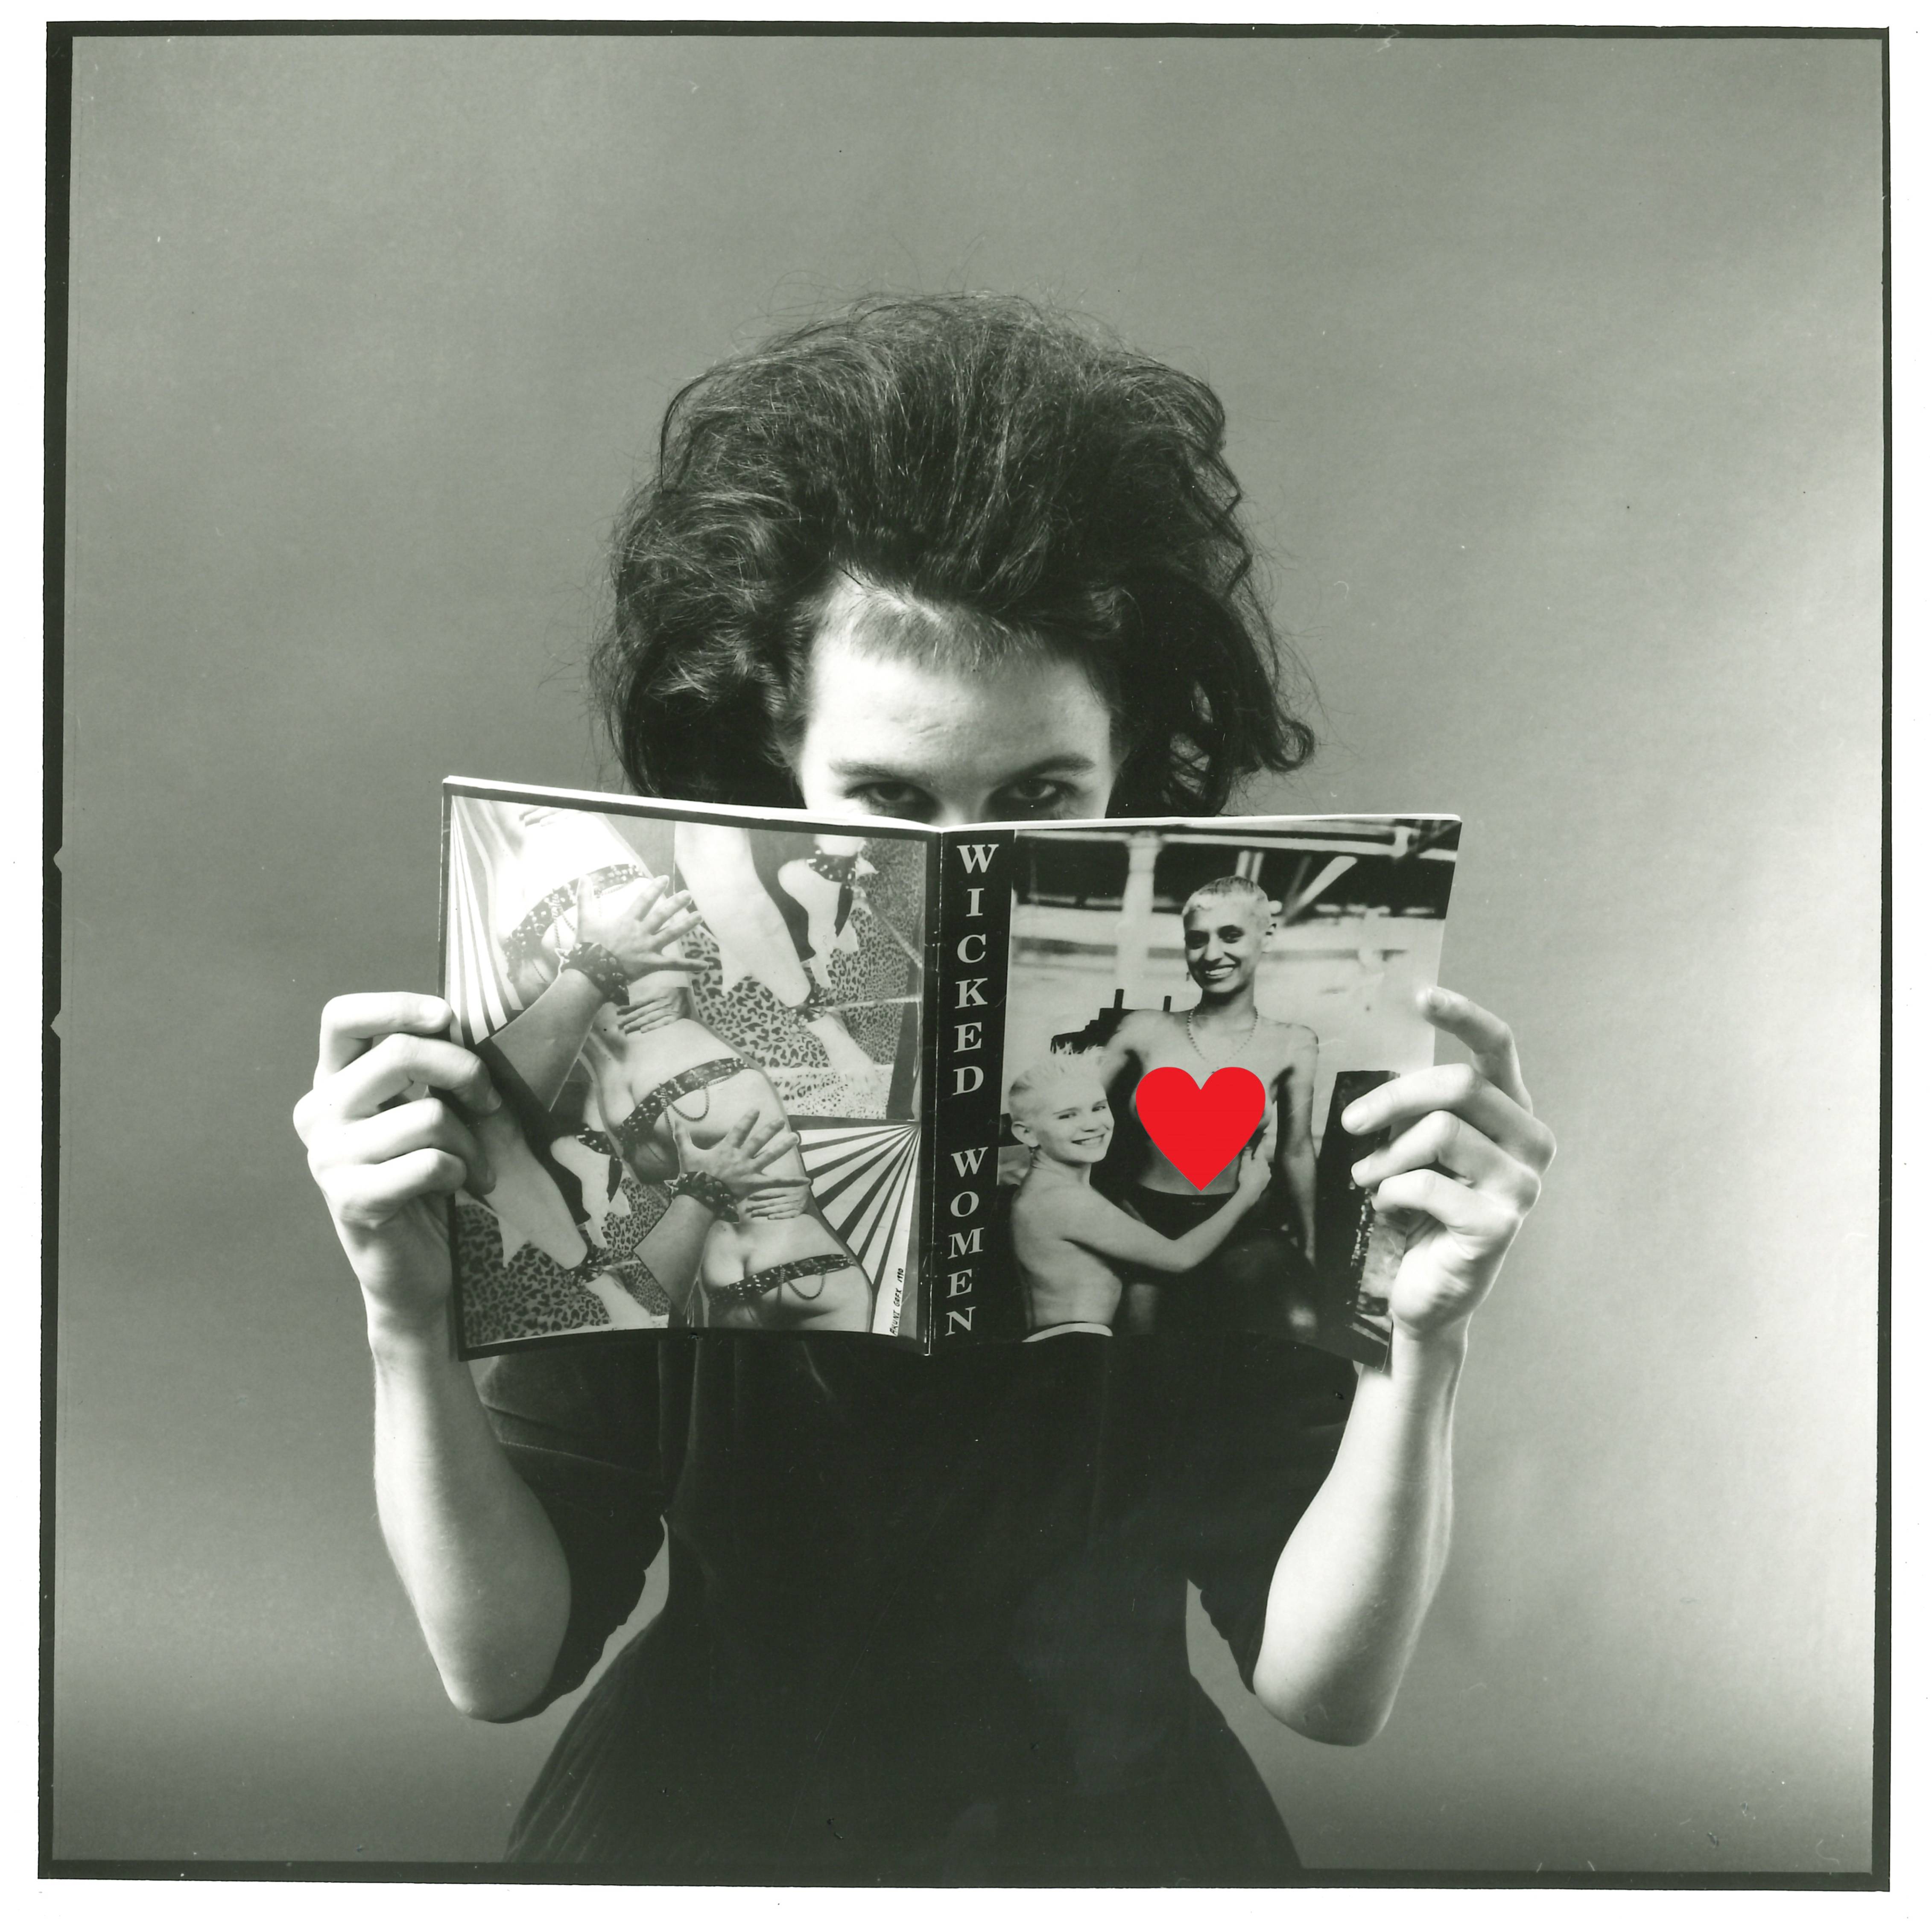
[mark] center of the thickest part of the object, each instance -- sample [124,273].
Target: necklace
[1194,1042]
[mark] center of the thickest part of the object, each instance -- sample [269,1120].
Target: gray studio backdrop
[1554,372]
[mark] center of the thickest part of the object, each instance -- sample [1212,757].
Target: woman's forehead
[1229,910]
[881,705]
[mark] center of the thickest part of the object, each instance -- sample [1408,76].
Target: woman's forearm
[1356,1578]
[674,1246]
[478,1557]
[1188,1250]
[543,1042]
[1300,1174]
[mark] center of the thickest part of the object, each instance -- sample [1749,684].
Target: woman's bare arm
[638,928]
[543,1041]
[1353,1584]
[480,1563]
[1095,1223]
[1295,1161]
[482,1566]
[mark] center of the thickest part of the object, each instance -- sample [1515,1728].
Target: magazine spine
[926,1197]
[968,1046]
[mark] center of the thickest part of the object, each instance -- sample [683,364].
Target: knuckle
[348,1199]
[369,1208]
[391,1050]
[1463,1081]
[414,1124]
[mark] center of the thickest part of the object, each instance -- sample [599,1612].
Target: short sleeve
[580,1428]
[1267,1428]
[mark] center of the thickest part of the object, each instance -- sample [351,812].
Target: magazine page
[667,993]
[1188,1009]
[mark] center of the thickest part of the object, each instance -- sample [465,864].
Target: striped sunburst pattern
[862,1177]
[475,983]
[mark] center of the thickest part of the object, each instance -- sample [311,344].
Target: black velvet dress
[927,1617]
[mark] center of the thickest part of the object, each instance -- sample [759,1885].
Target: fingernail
[489,1175]
[1355,1173]
[491,1100]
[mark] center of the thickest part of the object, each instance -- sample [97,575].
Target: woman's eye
[1032,797]
[895,799]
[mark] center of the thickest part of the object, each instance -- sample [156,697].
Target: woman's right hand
[739,1157]
[387,1153]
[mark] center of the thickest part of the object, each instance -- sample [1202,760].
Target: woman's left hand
[1463,1172]
[639,924]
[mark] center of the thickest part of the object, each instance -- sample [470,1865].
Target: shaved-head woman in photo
[947,560]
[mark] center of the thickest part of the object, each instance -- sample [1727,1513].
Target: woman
[773,1262]
[1070,1242]
[664,1081]
[662,1085]
[541,1266]
[1260,1281]
[957,560]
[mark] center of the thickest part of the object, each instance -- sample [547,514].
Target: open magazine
[938,1086]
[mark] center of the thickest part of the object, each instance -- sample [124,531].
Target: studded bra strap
[635,1128]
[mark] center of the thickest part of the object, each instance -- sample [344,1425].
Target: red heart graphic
[1200,1129]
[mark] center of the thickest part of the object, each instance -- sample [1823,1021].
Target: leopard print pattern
[514,1300]
[760,1026]
[641,1285]
[622,1232]
[529,1296]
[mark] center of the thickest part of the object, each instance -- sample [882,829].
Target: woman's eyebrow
[872,770]
[1069,763]
[1052,763]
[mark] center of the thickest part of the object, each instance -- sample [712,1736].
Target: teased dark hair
[1034,482]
